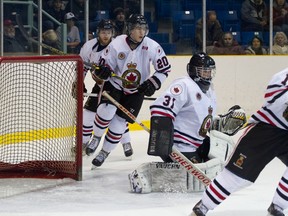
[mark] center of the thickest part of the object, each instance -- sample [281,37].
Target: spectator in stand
[120,21]
[73,35]
[280,16]
[280,46]
[256,47]
[77,7]
[213,30]
[57,12]
[50,38]
[227,45]
[11,42]
[254,16]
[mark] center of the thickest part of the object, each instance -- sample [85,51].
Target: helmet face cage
[205,73]
[201,67]
[137,21]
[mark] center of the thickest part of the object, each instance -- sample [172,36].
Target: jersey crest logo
[207,122]
[131,74]
[176,90]
[121,56]
[240,161]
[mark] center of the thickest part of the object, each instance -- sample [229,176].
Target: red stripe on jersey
[265,117]
[283,187]
[162,114]
[216,192]
[181,137]
[274,92]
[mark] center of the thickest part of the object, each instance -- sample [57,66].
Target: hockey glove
[149,87]
[101,72]
[74,90]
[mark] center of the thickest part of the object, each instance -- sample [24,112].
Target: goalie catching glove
[149,86]
[231,122]
[101,72]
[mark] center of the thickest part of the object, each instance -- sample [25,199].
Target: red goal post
[40,121]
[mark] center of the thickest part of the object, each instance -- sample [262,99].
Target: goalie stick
[59,52]
[96,95]
[175,154]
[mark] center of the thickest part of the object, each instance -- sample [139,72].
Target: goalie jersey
[190,109]
[275,109]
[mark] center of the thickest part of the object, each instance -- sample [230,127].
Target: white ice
[105,192]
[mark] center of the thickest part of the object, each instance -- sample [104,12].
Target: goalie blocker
[161,137]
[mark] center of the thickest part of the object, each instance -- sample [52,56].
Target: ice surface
[105,192]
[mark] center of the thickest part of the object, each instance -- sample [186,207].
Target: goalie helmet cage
[41,123]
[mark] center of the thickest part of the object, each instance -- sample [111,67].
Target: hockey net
[40,121]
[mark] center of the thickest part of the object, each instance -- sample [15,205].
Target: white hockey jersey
[275,109]
[134,65]
[90,52]
[190,109]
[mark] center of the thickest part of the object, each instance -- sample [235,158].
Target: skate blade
[93,167]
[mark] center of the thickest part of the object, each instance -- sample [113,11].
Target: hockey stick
[175,154]
[59,52]
[96,95]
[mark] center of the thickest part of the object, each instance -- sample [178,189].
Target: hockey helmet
[136,20]
[105,24]
[201,69]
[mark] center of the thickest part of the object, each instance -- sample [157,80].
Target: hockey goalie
[170,176]
[183,124]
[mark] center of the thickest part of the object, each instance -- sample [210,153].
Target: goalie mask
[201,69]
[136,21]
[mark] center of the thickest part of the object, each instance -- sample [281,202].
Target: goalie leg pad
[211,168]
[158,177]
[161,136]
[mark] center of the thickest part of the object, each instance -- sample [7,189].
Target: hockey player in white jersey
[190,102]
[265,138]
[91,52]
[128,56]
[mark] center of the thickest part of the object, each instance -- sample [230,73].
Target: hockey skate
[128,151]
[92,145]
[275,210]
[199,209]
[100,158]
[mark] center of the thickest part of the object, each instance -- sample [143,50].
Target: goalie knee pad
[221,145]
